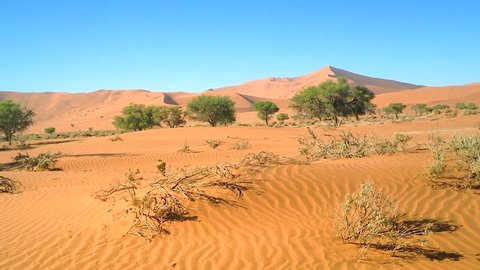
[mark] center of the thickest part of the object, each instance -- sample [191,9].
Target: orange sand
[286,223]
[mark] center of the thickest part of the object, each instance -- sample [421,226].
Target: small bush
[213,143]
[161,166]
[369,219]
[185,148]
[282,117]
[241,145]
[22,145]
[116,139]
[467,151]
[8,185]
[42,162]
[49,130]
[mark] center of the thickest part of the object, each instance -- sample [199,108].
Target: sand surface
[284,223]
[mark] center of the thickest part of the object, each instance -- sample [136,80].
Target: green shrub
[282,117]
[49,130]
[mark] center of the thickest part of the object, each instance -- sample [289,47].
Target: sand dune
[448,95]
[284,223]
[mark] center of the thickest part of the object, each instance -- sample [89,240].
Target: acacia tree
[14,118]
[265,110]
[394,108]
[212,109]
[333,100]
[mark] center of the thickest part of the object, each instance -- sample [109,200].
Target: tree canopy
[333,100]
[212,109]
[265,110]
[14,118]
[140,117]
[421,108]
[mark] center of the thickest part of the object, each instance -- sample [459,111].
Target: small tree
[13,119]
[50,130]
[282,117]
[440,107]
[265,110]
[394,108]
[471,106]
[212,109]
[420,108]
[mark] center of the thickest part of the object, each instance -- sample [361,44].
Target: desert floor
[286,222]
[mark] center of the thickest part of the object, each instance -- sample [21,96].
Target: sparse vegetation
[348,145]
[421,109]
[161,166]
[212,109]
[165,199]
[14,119]
[41,162]
[138,117]
[8,185]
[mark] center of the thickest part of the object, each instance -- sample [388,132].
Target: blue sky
[85,45]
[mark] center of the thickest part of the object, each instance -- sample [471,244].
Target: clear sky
[175,45]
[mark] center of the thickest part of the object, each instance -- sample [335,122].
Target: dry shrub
[348,145]
[165,200]
[213,143]
[241,145]
[116,139]
[455,164]
[161,166]
[369,219]
[8,185]
[185,148]
[42,162]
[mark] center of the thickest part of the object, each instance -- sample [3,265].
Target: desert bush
[240,145]
[49,130]
[282,117]
[213,143]
[369,219]
[467,151]
[116,139]
[395,109]
[469,112]
[185,148]
[161,166]
[348,145]
[8,185]
[265,110]
[42,162]
[162,201]
[437,166]
[22,145]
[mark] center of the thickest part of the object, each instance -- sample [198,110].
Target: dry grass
[213,143]
[241,145]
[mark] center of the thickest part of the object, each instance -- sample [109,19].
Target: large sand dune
[284,223]
[80,111]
